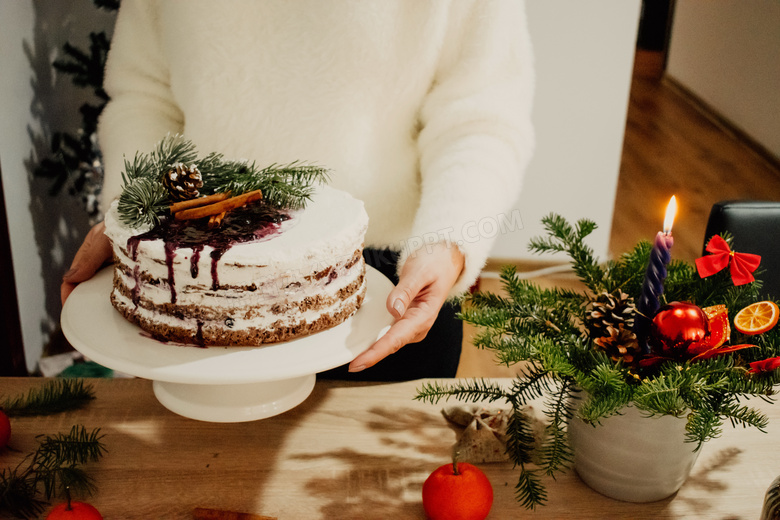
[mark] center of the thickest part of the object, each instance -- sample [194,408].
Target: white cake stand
[220,384]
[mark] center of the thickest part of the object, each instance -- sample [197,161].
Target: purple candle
[653,286]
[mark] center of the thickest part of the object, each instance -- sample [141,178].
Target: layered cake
[263,274]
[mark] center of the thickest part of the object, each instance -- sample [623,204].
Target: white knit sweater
[421,108]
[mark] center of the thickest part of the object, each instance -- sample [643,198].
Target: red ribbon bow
[742,264]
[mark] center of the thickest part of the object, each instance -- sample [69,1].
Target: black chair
[755,228]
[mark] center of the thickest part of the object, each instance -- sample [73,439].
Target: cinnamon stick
[201,513]
[200,201]
[219,207]
[216,220]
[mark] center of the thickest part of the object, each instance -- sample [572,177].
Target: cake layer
[264,276]
[226,332]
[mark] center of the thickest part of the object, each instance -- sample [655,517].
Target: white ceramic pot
[632,458]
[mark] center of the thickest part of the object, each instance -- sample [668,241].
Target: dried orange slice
[757,318]
[718,321]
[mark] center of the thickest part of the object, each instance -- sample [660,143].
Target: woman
[420,108]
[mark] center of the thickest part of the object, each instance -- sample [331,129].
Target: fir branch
[54,396]
[556,453]
[172,150]
[565,238]
[45,473]
[471,391]
[606,388]
[18,494]
[289,186]
[142,166]
[521,442]
[142,203]
[57,457]
[703,425]
[520,445]
[144,200]
[661,395]
[78,446]
[511,350]
[530,491]
[487,317]
[508,349]
[533,383]
[745,416]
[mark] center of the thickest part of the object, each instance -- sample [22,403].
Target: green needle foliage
[56,465]
[574,378]
[54,396]
[144,200]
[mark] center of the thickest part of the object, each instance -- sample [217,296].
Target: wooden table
[350,451]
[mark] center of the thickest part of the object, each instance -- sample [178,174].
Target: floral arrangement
[705,345]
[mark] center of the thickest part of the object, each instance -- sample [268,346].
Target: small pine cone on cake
[183,182]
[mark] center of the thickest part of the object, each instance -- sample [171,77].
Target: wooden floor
[672,146]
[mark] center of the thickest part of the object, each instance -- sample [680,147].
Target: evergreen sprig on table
[548,329]
[55,465]
[54,396]
[145,201]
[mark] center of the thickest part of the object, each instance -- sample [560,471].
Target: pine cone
[609,310]
[620,344]
[183,182]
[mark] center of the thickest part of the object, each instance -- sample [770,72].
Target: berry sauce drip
[194,259]
[254,222]
[170,254]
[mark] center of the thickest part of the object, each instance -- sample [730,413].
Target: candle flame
[671,212]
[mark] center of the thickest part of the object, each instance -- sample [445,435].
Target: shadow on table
[385,481]
[216,465]
[705,482]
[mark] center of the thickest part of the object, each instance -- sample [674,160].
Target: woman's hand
[94,252]
[423,286]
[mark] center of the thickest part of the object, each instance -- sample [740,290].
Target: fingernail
[70,273]
[398,305]
[358,368]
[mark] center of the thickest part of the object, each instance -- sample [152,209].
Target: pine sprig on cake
[581,356]
[289,186]
[173,172]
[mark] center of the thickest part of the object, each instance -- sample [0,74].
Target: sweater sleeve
[142,109]
[476,138]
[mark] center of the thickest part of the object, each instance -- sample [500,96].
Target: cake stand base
[234,402]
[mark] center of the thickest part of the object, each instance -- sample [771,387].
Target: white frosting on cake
[273,288]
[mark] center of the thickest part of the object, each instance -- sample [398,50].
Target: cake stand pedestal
[220,384]
[234,403]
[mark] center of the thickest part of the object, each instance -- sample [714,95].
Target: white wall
[584,59]
[15,28]
[34,102]
[728,53]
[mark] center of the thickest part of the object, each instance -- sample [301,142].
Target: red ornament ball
[72,510]
[5,430]
[677,326]
[465,495]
